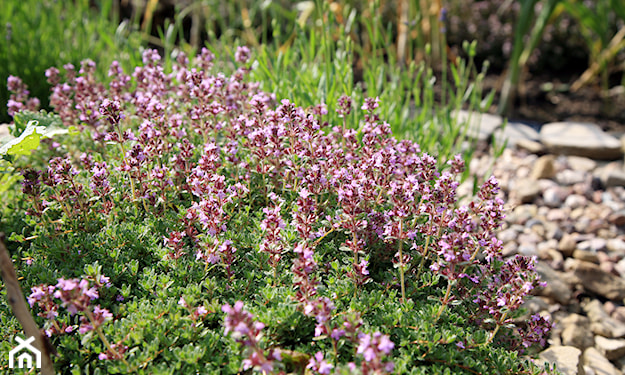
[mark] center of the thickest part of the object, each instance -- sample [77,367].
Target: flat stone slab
[515,132]
[594,360]
[567,358]
[481,125]
[581,139]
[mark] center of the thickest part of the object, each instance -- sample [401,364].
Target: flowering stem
[492,335]
[425,255]
[96,327]
[445,299]
[401,263]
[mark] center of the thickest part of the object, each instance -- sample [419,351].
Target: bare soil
[543,99]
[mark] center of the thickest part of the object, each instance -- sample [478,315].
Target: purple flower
[242,54]
[318,364]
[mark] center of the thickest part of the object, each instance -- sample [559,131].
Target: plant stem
[492,335]
[445,300]
[401,263]
[96,327]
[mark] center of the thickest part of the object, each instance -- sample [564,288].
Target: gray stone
[553,197]
[593,244]
[566,358]
[598,281]
[613,177]
[526,190]
[555,289]
[522,213]
[515,132]
[527,249]
[534,305]
[585,255]
[570,177]
[579,337]
[581,139]
[616,245]
[481,125]
[558,214]
[601,323]
[531,146]
[598,363]
[610,348]
[507,235]
[576,332]
[581,164]
[574,201]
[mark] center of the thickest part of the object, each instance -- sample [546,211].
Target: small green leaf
[29,140]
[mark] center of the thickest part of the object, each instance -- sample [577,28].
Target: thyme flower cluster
[215,157]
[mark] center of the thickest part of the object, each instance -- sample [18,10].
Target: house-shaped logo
[25,356]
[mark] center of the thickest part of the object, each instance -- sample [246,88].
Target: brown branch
[21,311]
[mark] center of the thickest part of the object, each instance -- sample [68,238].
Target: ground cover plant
[191,223]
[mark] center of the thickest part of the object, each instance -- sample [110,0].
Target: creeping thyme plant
[191,223]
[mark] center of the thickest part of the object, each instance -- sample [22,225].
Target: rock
[530,146]
[481,125]
[610,348]
[522,213]
[612,177]
[577,332]
[593,244]
[598,281]
[570,177]
[574,201]
[555,289]
[601,323]
[566,358]
[567,244]
[543,168]
[557,214]
[527,249]
[616,245]
[553,197]
[593,359]
[578,163]
[515,132]
[507,235]
[554,232]
[619,314]
[509,249]
[619,267]
[581,139]
[617,218]
[534,305]
[526,190]
[586,256]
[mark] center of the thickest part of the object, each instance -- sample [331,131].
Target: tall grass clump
[35,35]
[315,52]
[193,223]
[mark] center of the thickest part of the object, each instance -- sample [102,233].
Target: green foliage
[35,35]
[78,218]
[158,252]
[317,51]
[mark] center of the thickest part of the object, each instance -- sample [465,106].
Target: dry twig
[22,312]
